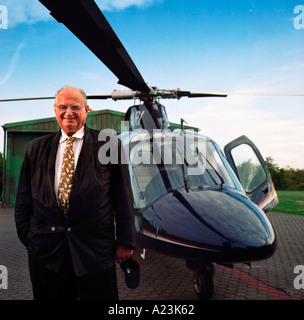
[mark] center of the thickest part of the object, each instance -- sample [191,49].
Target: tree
[278,175]
[295,178]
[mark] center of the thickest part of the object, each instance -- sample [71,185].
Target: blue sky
[196,45]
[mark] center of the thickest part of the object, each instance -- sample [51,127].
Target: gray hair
[72,88]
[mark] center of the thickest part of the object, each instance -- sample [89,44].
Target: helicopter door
[252,172]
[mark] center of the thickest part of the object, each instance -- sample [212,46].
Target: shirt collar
[78,135]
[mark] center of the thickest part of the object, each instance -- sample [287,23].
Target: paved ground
[164,278]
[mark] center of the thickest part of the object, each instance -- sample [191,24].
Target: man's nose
[69,111]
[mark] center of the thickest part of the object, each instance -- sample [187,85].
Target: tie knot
[70,140]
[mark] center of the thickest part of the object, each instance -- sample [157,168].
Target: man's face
[68,117]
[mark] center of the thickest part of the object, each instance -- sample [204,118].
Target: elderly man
[66,206]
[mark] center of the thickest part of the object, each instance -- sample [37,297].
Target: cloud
[111,5]
[274,123]
[29,11]
[13,64]
[25,11]
[277,133]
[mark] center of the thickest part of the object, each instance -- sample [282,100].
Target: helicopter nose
[243,229]
[222,224]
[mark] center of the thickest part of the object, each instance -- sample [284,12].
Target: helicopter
[191,200]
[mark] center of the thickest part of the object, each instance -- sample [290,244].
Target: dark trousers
[64,285]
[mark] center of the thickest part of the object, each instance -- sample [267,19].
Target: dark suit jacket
[99,192]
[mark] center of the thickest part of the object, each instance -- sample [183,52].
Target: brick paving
[166,278]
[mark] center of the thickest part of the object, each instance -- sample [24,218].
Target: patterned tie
[66,178]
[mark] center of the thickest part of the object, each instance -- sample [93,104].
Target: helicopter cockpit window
[250,171]
[156,171]
[210,164]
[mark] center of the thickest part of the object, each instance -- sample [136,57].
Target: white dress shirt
[77,144]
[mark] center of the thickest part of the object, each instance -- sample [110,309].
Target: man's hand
[123,253]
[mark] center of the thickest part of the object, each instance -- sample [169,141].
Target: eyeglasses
[74,108]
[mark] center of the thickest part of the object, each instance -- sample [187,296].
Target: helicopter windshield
[160,168]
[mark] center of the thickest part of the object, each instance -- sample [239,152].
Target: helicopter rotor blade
[24,99]
[265,94]
[115,95]
[200,94]
[177,94]
[89,97]
[87,22]
[162,94]
[99,96]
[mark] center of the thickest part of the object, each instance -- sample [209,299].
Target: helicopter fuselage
[201,214]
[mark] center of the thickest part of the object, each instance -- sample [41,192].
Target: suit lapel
[51,167]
